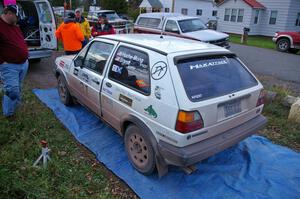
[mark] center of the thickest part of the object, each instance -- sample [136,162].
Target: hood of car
[206,35]
[64,60]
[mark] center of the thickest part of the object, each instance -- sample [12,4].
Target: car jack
[189,169]
[45,154]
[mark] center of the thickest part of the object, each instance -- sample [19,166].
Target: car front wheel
[283,45]
[139,150]
[63,92]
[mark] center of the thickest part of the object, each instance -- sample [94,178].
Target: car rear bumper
[35,54]
[185,156]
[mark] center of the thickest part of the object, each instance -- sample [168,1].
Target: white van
[38,25]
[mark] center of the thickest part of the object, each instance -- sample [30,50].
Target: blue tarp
[255,168]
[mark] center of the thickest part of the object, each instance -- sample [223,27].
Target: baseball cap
[71,15]
[102,15]
[12,8]
[77,10]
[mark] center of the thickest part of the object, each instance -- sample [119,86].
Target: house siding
[192,5]
[234,27]
[294,9]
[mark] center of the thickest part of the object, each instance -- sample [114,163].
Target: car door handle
[96,81]
[108,84]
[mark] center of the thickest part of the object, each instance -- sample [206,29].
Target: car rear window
[148,22]
[208,77]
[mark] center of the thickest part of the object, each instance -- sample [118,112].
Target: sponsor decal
[157,92]
[108,91]
[117,69]
[150,111]
[208,64]
[61,63]
[197,96]
[158,70]
[125,100]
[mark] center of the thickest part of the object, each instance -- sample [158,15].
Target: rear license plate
[232,108]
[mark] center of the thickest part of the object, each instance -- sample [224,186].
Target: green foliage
[258,41]
[133,13]
[120,6]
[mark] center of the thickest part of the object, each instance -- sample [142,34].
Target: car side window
[130,67]
[171,26]
[97,56]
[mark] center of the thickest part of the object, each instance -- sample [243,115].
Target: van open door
[47,25]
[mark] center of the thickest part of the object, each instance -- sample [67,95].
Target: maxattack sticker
[158,70]
[150,111]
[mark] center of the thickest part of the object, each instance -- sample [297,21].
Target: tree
[118,5]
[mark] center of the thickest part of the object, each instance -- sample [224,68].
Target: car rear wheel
[283,45]
[139,150]
[63,92]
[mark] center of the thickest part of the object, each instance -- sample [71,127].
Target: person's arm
[79,33]
[88,29]
[94,32]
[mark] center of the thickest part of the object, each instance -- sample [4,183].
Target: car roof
[103,11]
[167,15]
[165,44]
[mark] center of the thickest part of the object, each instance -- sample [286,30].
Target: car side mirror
[78,62]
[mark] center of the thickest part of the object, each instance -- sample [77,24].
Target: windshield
[110,15]
[208,77]
[190,25]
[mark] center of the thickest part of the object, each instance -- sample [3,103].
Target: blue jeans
[13,75]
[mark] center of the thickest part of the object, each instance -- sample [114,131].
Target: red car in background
[287,41]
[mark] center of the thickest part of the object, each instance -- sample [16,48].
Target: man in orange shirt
[70,34]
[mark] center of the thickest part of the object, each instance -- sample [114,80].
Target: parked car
[179,25]
[37,24]
[287,41]
[121,25]
[175,101]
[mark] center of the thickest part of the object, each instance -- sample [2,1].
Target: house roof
[253,3]
[153,3]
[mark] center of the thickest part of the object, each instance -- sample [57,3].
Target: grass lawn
[258,41]
[73,171]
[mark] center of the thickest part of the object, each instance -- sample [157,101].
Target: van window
[148,22]
[171,26]
[45,12]
[190,25]
[130,67]
[209,77]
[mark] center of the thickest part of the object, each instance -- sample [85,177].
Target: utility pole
[173,5]
[70,4]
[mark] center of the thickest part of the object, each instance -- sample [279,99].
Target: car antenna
[162,28]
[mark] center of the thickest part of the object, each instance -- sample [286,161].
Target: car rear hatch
[220,88]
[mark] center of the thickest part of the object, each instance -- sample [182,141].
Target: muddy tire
[139,150]
[283,45]
[63,91]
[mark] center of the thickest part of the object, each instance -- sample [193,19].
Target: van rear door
[47,24]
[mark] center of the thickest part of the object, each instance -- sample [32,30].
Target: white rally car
[175,101]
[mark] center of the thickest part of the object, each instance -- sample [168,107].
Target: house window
[214,13]
[184,11]
[167,9]
[233,15]
[256,15]
[298,20]
[227,14]
[273,17]
[240,15]
[199,12]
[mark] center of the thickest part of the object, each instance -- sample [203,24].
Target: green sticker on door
[150,111]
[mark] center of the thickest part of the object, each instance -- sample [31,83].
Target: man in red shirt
[13,59]
[102,27]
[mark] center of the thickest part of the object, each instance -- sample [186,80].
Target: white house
[263,17]
[204,9]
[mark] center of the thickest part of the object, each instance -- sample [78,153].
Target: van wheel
[139,150]
[283,45]
[63,92]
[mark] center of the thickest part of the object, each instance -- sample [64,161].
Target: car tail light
[261,98]
[188,121]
